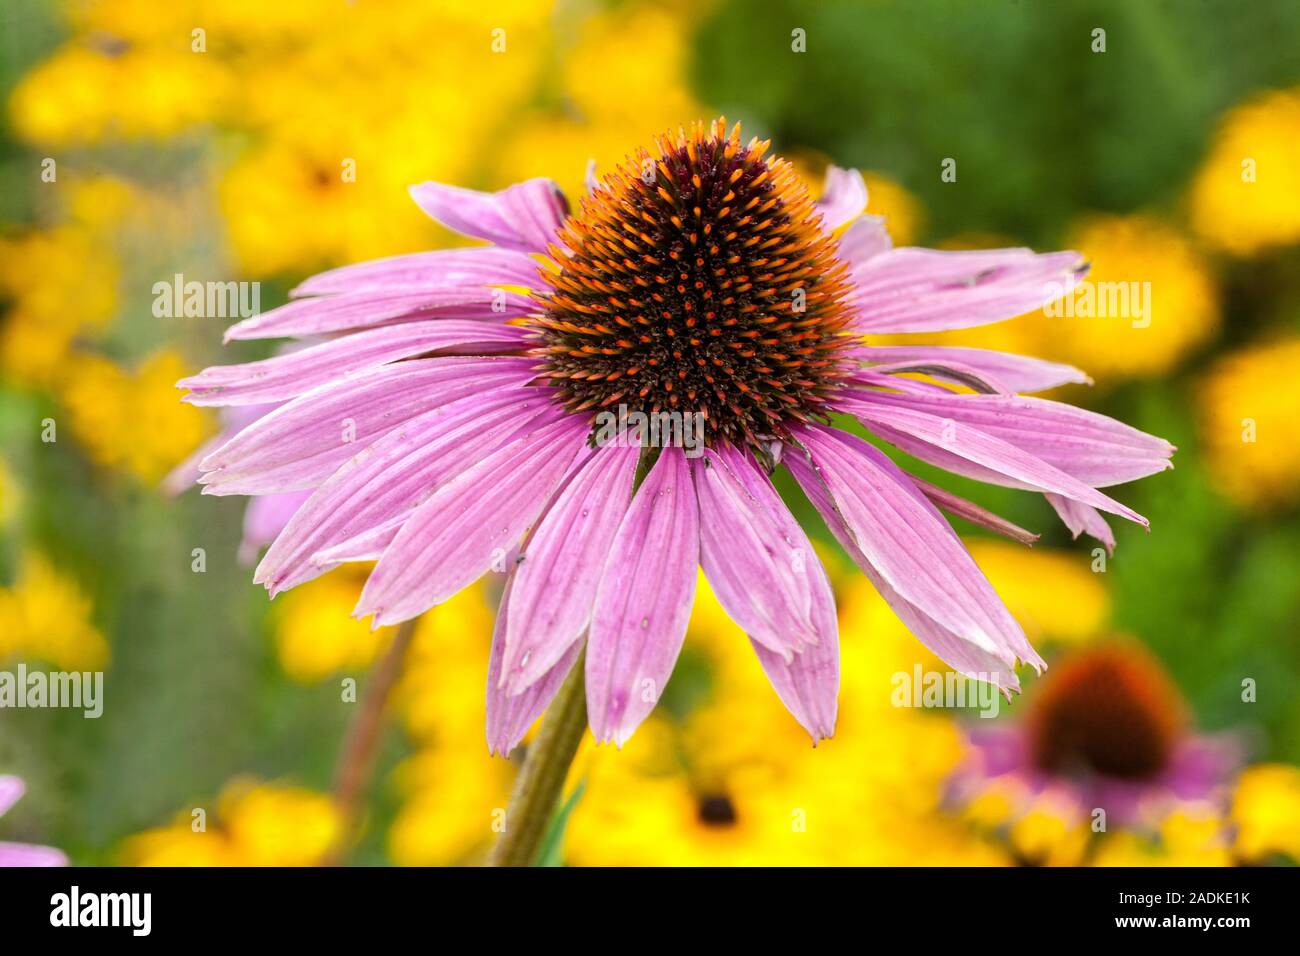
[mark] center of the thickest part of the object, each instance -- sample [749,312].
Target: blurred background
[147,138]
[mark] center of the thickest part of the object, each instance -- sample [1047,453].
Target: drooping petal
[809,683]
[554,587]
[903,537]
[1019,373]
[378,308]
[469,523]
[754,553]
[928,290]
[843,197]
[420,271]
[509,717]
[644,601]
[397,473]
[287,376]
[524,216]
[302,442]
[945,500]
[1096,450]
[975,445]
[960,654]
[968,375]
[1083,519]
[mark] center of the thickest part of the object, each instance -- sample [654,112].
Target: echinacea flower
[698,280]
[23,854]
[1107,729]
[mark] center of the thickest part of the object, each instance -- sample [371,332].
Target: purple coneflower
[450,422]
[23,854]
[1107,729]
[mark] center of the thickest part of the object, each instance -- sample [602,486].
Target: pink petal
[951,371]
[378,308]
[509,717]
[927,290]
[287,376]
[643,603]
[865,239]
[903,537]
[959,506]
[554,587]
[397,473]
[754,553]
[24,854]
[11,791]
[1081,518]
[977,446]
[843,197]
[809,683]
[422,271]
[960,654]
[468,523]
[1018,373]
[304,441]
[369,545]
[1096,450]
[524,216]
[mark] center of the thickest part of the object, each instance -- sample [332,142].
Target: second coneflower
[455,415]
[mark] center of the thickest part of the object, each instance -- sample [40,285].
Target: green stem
[357,760]
[541,780]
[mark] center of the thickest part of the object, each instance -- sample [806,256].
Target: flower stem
[546,765]
[357,759]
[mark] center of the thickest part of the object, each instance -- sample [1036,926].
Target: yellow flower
[45,616]
[254,825]
[440,696]
[1053,594]
[1266,812]
[1049,833]
[1148,300]
[621,81]
[88,94]
[316,635]
[279,826]
[454,799]
[1246,194]
[60,282]
[453,793]
[1172,302]
[696,791]
[1249,406]
[624,68]
[903,212]
[1190,836]
[132,421]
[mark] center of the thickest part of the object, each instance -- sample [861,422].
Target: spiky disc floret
[698,279]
